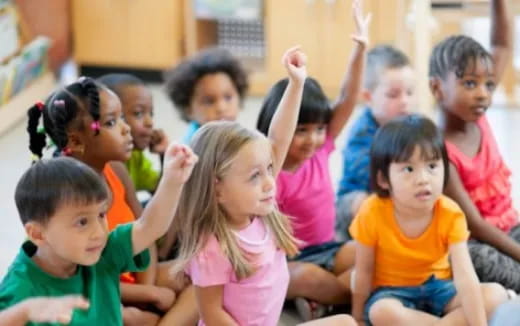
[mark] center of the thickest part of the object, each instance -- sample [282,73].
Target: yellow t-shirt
[403,261]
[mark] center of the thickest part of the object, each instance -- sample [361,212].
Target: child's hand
[362,23]
[52,310]
[159,142]
[295,61]
[178,162]
[164,298]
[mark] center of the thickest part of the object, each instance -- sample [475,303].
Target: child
[463,77]
[405,232]
[305,192]
[206,87]
[84,120]
[389,88]
[137,104]
[62,204]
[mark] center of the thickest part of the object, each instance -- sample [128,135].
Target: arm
[283,124]
[351,84]
[42,310]
[467,284]
[364,269]
[148,276]
[480,229]
[158,214]
[501,36]
[209,302]
[163,298]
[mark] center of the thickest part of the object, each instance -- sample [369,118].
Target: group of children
[241,220]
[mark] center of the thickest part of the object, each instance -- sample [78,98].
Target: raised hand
[159,142]
[362,23]
[295,61]
[179,161]
[54,310]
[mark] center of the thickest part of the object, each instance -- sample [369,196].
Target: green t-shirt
[142,172]
[98,283]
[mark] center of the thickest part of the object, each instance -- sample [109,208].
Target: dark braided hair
[180,81]
[455,54]
[63,110]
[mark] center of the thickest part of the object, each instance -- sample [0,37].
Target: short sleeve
[329,145]
[364,226]
[210,266]
[118,252]
[458,231]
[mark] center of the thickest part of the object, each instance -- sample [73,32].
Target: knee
[341,320]
[494,295]
[307,276]
[134,316]
[386,312]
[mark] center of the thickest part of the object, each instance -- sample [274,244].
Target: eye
[491,85]
[392,95]
[228,97]
[408,169]
[82,222]
[270,168]
[102,215]
[301,129]
[433,166]
[208,101]
[470,84]
[138,114]
[255,176]
[322,128]
[110,123]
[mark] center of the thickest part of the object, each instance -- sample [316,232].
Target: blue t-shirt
[192,129]
[356,154]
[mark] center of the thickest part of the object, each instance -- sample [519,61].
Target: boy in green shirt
[62,204]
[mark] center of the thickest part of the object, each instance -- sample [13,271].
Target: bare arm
[351,84]
[364,269]
[501,37]
[158,214]
[480,229]
[209,301]
[467,284]
[283,124]
[42,310]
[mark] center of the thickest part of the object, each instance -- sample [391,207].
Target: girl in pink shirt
[463,78]
[232,240]
[320,274]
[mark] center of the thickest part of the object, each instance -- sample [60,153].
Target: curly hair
[180,81]
[455,54]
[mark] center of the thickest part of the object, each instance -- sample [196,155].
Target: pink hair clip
[95,126]
[59,103]
[66,151]
[40,105]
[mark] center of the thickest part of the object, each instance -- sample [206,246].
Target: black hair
[455,54]
[180,81]
[116,82]
[63,110]
[315,107]
[396,142]
[50,183]
[380,58]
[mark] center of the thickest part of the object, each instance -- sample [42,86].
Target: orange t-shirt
[119,211]
[403,261]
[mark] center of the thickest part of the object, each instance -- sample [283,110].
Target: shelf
[16,109]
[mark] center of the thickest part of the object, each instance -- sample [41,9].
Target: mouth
[129,146]
[480,110]
[95,249]
[269,199]
[423,195]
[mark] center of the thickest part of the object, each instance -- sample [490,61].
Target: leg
[184,312]
[344,259]
[136,317]
[507,314]
[313,282]
[337,320]
[493,295]
[492,265]
[345,214]
[389,311]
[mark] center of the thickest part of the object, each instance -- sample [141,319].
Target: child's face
[416,183]
[468,97]
[114,141]
[137,104]
[248,188]
[306,140]
[394,94]
[215,97]
[76,234]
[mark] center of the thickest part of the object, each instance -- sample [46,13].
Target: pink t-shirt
[486,179]
[307,197]
[256,300]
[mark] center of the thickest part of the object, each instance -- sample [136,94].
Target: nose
[422,176]
[221,108]
[125,128]
[100,229]
[482,92]
[148,121]
[268,183]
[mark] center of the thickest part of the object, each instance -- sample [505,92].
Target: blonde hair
[199,215]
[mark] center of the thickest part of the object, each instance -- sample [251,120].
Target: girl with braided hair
[84,121]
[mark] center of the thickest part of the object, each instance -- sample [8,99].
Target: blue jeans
[430,297]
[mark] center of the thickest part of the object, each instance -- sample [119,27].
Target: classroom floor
[16,159]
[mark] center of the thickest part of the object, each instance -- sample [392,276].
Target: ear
[75,142]
[366,95]
[382,182]
[35,232]
[218,190]
[436,89]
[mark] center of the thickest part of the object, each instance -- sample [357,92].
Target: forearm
[472,301]
[137,293]
[16,315]
[494,237]
[361,292]
[218,317]
[149,276]
[500,24]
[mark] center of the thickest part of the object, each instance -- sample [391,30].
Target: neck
[409,213]
[291,165]
[50,263]
[95,164]
[240,224]
[450,123]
